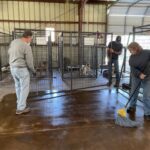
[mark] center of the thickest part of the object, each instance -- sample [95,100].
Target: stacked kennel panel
[77,50]
[5,40]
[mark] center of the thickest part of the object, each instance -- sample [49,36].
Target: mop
[122,119]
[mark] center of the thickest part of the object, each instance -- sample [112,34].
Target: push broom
[122,119]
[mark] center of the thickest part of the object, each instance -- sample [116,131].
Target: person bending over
[140,75]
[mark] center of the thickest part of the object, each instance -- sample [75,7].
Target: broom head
[122,112]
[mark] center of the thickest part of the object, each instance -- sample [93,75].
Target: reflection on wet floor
[78,121]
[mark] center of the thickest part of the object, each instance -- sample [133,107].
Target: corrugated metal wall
[61,16]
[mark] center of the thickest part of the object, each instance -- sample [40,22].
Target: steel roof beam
[143,19]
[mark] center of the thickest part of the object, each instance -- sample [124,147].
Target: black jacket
[140,63]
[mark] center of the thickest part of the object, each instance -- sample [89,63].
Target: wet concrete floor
[81,121]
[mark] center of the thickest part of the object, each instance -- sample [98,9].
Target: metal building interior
[72,108]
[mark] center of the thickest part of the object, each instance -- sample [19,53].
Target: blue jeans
[134,83]
[145,84]
[116,65]
[21,77]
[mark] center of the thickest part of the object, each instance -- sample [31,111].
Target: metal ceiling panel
[127,1]
[136,11]
[129,13]
[118,10]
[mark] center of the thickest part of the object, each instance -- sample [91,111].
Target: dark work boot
[116,85]
[109,84]
[147,117]
[131,110]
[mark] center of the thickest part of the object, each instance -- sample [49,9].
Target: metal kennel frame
[4,45]
[50,57]
[84,48]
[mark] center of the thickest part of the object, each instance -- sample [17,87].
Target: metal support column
[50,57]
[0,66]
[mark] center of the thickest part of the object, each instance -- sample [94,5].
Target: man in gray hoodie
[21,62]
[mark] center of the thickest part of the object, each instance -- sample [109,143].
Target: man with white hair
[21,62]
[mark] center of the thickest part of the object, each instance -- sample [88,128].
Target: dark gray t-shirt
[140,63]
[117,47]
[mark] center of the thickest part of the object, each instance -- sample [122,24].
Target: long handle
[122,68]
[135,89]
[133,94]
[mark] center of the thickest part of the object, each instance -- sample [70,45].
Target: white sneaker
[26,110]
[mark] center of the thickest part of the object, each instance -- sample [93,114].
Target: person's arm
[135,71]
[120,50]
[118,53]
[108,52]
[9,48]
[146,68]
[109,49]
[29,58]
